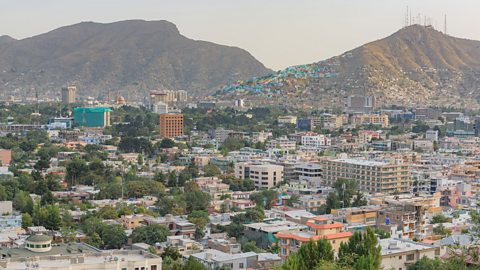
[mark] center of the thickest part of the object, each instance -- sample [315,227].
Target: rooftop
[275,226]
[219,256]
[395,245]
[361,162]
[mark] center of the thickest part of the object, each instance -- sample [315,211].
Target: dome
[39,243]
[121,100]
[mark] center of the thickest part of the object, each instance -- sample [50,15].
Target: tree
[113,236]
[48,198]
[255,214]
[333,202]
[23,202]
[265,198]
[195,198]
[441,230]
[53,220]
[361,251]
[439,219]
[211,170]
[359,199]
[171,253]
[199,218]
[292,200]
[311,255]
[76,169]
[27,220]
[167,143]
[107,212]
[95,240]
[193,264]
[150,234]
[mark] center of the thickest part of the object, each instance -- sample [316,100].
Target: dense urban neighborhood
[179,183]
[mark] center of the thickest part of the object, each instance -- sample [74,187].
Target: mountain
[416,66]
[127,57]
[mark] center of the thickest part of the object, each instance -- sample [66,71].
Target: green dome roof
[39,238]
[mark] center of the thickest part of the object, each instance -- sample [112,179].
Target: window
[240,265]
[410,257]
[399,257]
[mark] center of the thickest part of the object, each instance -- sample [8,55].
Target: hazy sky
[279,33]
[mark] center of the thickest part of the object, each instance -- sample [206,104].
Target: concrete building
[371,176]
[69,94]
[263,175]
[371,119]
[315,141]
[282,143]
[290,241]
[431,135]
[98,117]
[160,108]
[310,173]
[402,253]
[264,233]
[213,259]
[5,157]
[171,125]
[360,104]
[76,257]
[287,119]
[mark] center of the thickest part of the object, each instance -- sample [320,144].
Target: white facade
[160,108]
[316,141]
[282,143]
[263,175]
[431,135]
[310,173]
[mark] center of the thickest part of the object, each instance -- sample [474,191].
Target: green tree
[150,234]
[48,198]
[27,220]
[172,253]
[439,219]
[361,251]
[107,212]
[255,214]
[113,236]
[211,170]
[167,143]
[199,218]
[95,240]
[23,202]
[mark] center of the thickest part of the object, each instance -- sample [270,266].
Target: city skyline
[270,32]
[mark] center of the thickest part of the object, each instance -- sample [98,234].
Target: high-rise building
[92,117]
[171,125]
[69,94]
[360,104]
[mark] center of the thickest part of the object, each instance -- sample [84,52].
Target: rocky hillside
[128,57]
[415,66]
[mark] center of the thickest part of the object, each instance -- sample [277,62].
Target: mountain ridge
[126,57]
[416,65]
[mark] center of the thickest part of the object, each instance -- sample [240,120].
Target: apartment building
[315,141]
[371,176]
[311,173]
[263,175]
[402,253]
[171,125]
[282,143]
[318,228]
[371,119]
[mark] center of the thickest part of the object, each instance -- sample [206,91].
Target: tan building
[171,125]
[69,94]
[371,119]
[402,253]
[5,157]
[131,222]
[371,176]
[263,175]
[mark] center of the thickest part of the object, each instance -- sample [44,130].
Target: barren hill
[415,66]
[127,57]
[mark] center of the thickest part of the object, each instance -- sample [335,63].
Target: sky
[279,33]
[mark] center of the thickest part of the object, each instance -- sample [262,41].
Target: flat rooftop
[275,226]
[44,260]
[361,162]
[395,245]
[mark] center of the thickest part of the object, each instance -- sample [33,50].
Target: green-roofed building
[98,117]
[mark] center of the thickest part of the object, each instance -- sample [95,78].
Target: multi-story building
[263,175]
[310,173]
[371,119]
[327,121]
[214,259]
[171,125]
[315,141]
[282,143]
[360,104]
[287,119]
[97,117]
[131,222]
[318,228]
[371,176]
[403,253]
[69,94]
